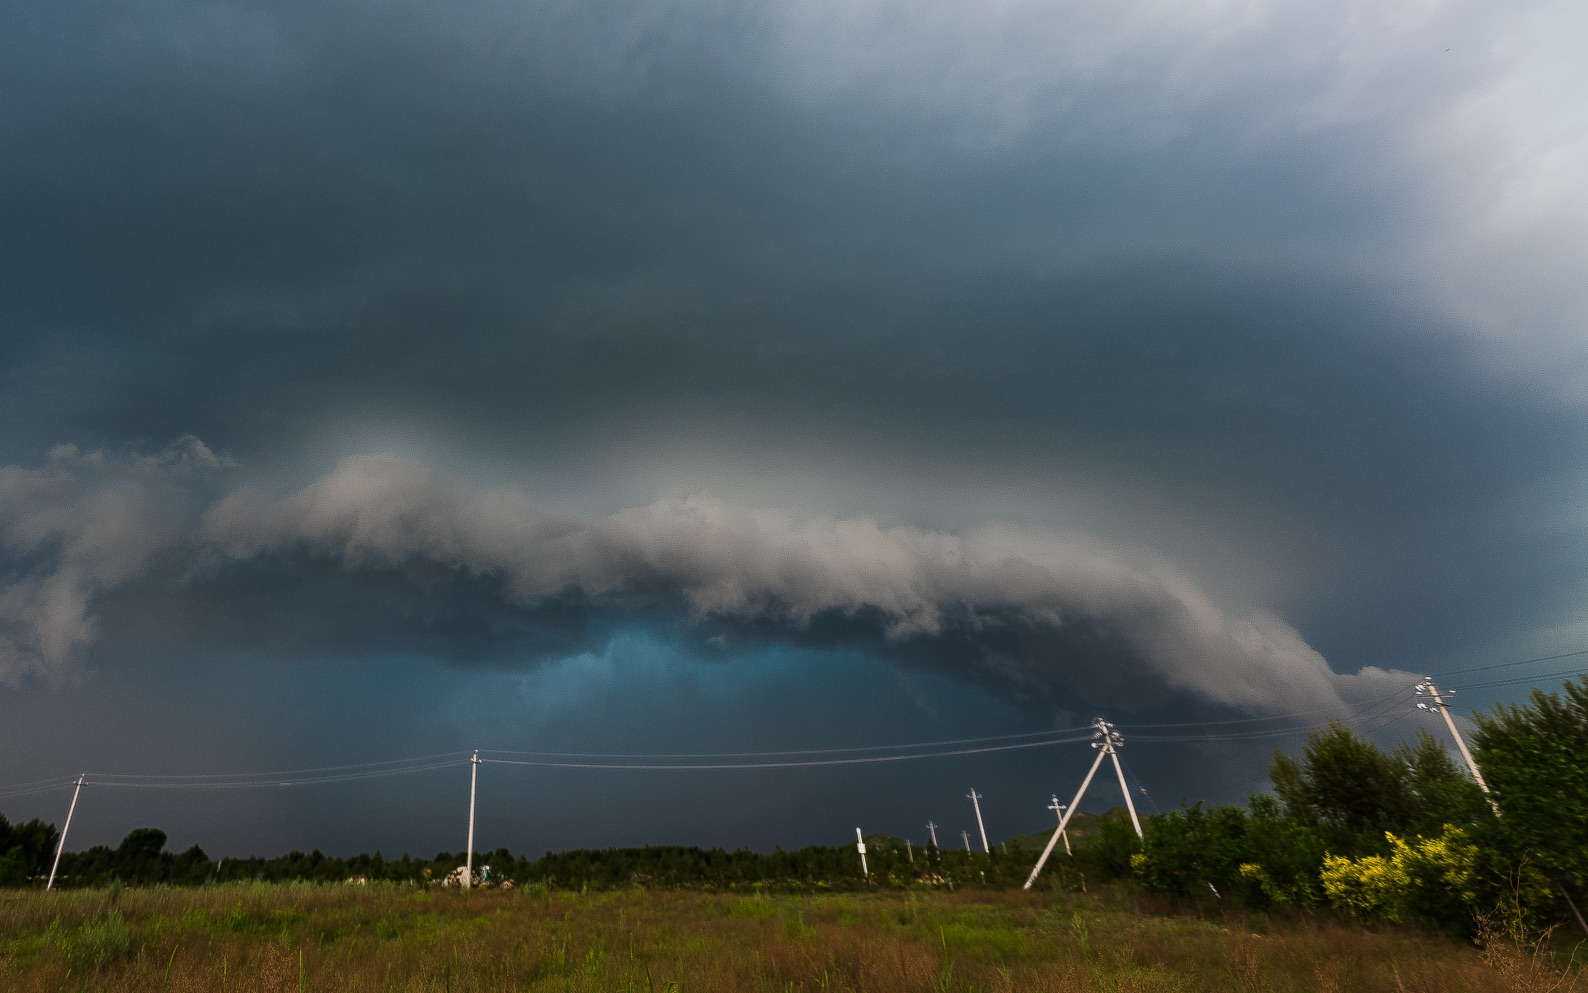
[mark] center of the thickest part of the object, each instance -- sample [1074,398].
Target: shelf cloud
[1032,612]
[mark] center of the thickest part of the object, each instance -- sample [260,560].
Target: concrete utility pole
[1107,739]
[1112,742]
[909,850]
[61,845]
[468,861]
[860,846]
[966,836]
[932,830]
[1058,808]
[975,801]
[1427,687]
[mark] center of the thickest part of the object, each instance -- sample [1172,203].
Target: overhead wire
[790,764]
[1382,712]
[1508,665]
[1291,715]
[1567,674]
[351,768]
[274,782]
[790,751]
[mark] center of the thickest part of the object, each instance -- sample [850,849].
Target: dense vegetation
[243,938]
[1403,835]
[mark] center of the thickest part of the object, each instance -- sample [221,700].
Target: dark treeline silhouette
[141,859]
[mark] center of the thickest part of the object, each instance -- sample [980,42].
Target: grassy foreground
[304,937]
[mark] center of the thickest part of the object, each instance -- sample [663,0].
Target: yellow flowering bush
[1415,875]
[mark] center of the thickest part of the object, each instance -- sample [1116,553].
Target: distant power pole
[966,836]
[61,846]
[1058,808]
[909,850]
[932,830]
[860,846]
[975,801]
[468,860]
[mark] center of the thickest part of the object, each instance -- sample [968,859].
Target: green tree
[1346,788]
[1535,758]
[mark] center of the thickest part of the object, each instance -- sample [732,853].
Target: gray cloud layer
[84,523]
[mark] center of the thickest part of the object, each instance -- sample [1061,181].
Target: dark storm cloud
[1282,293]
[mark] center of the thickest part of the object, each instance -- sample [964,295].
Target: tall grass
[246,938]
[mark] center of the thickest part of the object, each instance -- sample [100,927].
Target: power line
[1507,665]
[789,751]
[793,764]
[1567,674]
[1293,715]
[276,774]
[1386,704]
[276,781]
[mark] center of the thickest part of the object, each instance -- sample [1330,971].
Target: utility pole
[61,845]
[1112,741]
[1106,739]
[975,801]
[468,861]
[966,836]
[1058,808]
[1427,688]
[909,850]
[932,830]
[860,846]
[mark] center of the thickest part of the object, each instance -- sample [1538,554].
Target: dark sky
[385,380]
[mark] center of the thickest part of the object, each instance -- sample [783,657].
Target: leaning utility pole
[61,846]
[1427,687]
[966,836]
[1114,741]
[1058,808]
[860,846]
[468,861]
[1107,739]
[932,830]
[975,801]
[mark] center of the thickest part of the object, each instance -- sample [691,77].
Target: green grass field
[302,937]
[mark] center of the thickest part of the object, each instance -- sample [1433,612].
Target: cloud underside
[1037,614]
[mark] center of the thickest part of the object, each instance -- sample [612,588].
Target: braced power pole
[1106,739]
[61,845]
[975,801]
[1115,741]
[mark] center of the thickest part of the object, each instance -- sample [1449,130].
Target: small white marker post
[1059,808]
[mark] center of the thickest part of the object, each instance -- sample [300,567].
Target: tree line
[1384,835]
